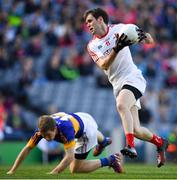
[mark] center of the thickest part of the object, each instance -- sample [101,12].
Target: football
[130,31]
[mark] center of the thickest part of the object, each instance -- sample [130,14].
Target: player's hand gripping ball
[133,33]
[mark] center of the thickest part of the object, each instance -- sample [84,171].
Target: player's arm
[68,158]
[105,62]
[22,155]
[25,151]
[148,39]
[144,37]
[67,130]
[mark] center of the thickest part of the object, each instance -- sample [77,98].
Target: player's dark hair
[46,123]
[97,12]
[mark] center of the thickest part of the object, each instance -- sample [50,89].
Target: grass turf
[133,171]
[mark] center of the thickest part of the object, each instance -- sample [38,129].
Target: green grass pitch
[133,171]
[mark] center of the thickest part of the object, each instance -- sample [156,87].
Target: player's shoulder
[64,124]
[92,42]
[116,26]
[91,45]
[59,114]
[61,118]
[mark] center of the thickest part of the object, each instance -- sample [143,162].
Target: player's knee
[73,170]
[121,107]
[137,132]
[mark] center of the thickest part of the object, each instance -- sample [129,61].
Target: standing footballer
[112,54]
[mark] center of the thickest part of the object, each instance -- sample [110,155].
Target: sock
[158,141]
[104,162]
[103,142]
[130,139]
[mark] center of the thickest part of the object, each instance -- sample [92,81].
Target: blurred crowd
[31,28]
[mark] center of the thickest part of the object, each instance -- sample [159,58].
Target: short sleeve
[34,140]
[92,54]
[70,144]
[67,131]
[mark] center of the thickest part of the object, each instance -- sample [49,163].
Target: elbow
[104,66]
[28,148]
[70,158]
[149,39]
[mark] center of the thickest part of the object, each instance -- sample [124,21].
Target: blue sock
[104,162]
[104,141]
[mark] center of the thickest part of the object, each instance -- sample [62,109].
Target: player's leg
[146,135]
[102,143]
[100,136]
[96,138]
[139,131]
[125,100]
[84,145]
[81,165]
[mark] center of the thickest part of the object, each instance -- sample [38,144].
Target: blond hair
[46,123]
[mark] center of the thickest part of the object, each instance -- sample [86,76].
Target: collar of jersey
[100,37]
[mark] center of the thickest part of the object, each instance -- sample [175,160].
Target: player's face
[49,135]
[92,24]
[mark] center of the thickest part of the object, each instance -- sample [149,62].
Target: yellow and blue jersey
[69,127]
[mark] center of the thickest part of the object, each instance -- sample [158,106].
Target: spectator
[4,63]
[84,64]
[164,106]
[27,76]
[53,66]
[171,80]
[18,50]
[16,119]
[69,69]
[144,113]
[51,37]
[34,47]
[3,117]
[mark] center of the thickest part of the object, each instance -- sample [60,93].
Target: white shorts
[89,137]
[134,79]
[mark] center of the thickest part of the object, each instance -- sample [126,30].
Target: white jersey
[122,70]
